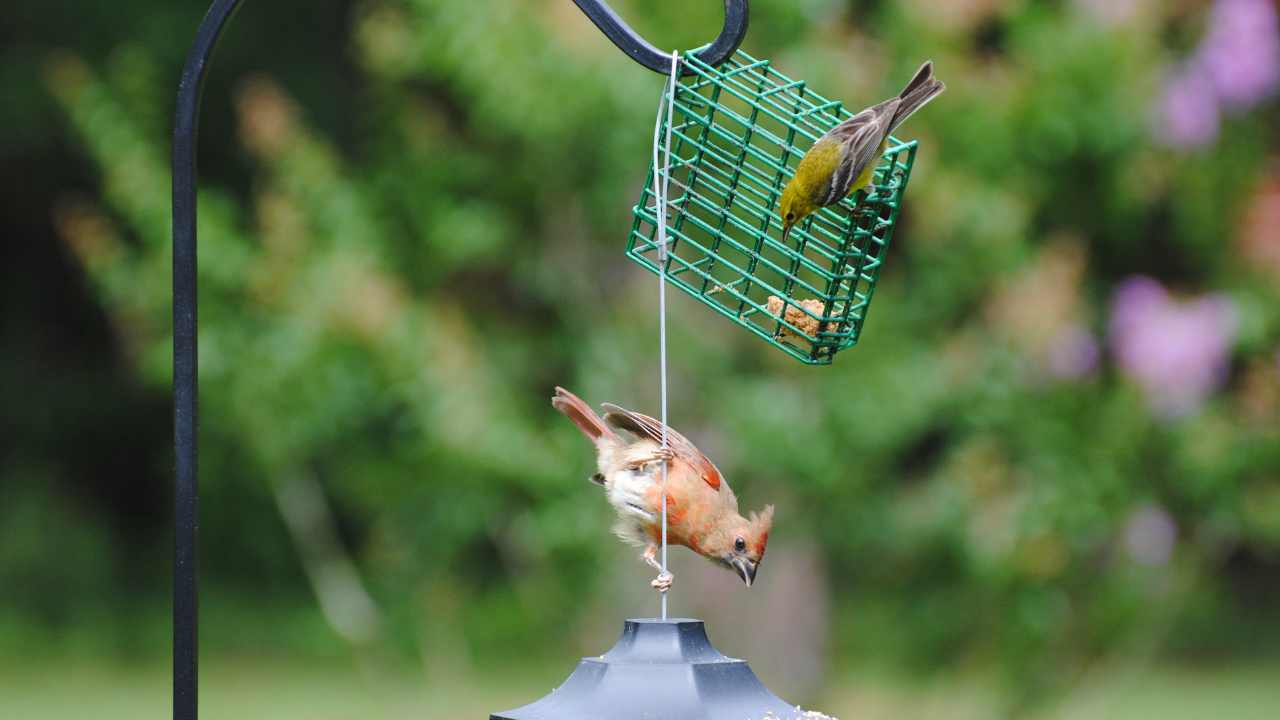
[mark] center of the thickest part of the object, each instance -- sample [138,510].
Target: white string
[661,183]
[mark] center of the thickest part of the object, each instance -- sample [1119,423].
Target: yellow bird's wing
[860,138]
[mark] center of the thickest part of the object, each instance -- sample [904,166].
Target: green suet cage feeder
[738,132]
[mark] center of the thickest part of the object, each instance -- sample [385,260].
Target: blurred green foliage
[412,219]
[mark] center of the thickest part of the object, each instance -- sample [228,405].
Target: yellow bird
[842,161]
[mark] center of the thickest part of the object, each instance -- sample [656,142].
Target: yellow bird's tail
[922,88]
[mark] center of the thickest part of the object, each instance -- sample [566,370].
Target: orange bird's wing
[643,425]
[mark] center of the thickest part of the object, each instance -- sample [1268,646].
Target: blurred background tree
[1054,454]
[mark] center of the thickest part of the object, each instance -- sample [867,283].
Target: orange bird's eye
[740,545]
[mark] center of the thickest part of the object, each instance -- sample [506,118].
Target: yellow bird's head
[793,207]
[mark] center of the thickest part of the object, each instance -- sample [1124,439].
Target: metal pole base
[658,670]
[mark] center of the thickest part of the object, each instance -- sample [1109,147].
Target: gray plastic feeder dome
[658,670]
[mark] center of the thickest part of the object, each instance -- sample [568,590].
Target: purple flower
[1242,51]
[1177,352]
[1236,67]
[1188,115]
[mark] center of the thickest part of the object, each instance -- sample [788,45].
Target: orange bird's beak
[746,569]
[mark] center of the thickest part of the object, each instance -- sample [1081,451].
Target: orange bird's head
[739,545]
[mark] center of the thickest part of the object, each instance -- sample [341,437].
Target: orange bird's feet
[650,557]
[663,582]
[658,455]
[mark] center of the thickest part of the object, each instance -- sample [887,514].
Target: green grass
[258,687]
[253,687]
[1163,693]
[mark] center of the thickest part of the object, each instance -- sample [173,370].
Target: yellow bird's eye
[791,217]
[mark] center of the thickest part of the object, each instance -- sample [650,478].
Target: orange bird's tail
[581,414]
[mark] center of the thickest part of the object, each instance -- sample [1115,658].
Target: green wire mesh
[738,132]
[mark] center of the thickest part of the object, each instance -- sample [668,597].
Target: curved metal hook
[640,50]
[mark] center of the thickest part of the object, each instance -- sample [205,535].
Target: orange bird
[702,511]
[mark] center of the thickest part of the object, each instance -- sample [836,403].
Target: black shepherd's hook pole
[185,385]
[186,497]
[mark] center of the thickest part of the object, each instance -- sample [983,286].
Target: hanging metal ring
[643,52]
